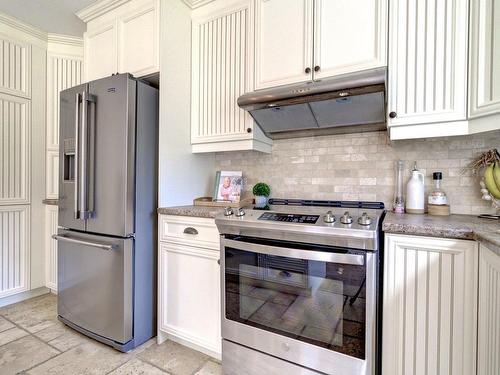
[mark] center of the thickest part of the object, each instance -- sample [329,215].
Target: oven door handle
[320,256]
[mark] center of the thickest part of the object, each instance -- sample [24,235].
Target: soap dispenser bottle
[415,192]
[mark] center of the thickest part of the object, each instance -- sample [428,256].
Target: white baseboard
[19,297]
[190,341]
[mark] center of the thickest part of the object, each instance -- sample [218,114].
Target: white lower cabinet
[189,301]
[430,306]
[51,213]
[489,313]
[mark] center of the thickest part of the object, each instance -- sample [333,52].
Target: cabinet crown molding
[41,35]
[193,4]
[98,8]
[23,27]
[65,39]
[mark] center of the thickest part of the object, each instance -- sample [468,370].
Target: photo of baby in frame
[228,186]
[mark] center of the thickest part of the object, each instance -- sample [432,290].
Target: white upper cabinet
[427,62]
[349,36]
[122,40]
[100,51]
[485,57]
[222,55]
[15,67]
[283,42]
[288,32]
[138,40]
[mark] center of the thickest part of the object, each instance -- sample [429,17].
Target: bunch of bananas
[492,181]
[489,161]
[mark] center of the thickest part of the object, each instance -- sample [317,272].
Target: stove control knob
[240,212]
[346,218]
[228,211]
[364,219]
[329,217]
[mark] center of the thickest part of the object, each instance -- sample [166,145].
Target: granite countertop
[466,227]
[52,202]
[195,211]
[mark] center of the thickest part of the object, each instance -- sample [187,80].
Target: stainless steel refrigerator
[107,210]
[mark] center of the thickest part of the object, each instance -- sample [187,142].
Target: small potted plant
[261,191]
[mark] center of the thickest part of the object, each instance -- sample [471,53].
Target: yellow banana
[489,181]
[496,174]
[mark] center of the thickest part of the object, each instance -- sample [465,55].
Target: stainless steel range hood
[349,103]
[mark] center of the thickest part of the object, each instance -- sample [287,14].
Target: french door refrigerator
[107,210]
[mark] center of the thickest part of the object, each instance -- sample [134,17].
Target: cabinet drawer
[189,230]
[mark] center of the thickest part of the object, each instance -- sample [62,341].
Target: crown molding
[23,27]
[193,4]
[65,39]
[98,8]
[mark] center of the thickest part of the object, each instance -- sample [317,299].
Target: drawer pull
[190,230]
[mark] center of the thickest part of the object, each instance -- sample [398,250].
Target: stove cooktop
[307,221]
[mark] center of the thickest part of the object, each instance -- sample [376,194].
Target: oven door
[310,305]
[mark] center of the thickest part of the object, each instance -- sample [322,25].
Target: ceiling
[53,16]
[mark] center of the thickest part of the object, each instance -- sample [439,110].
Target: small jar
[437,197]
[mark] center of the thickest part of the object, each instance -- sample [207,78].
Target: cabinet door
[15,67]
[100,51]
[138,47]
[349,36]
[50,247]
[489,313]
[15,150]
[14,249]
[485,57]
[427,61]
[190,284]
[430,306]
[221,54]
[283,42]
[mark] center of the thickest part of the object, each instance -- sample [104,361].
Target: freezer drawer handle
[80,242]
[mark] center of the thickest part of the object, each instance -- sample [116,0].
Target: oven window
[316,302]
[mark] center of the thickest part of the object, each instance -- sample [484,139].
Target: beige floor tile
[33,315]
[62,337]
[5,324]
[52,332]
[137,367]
[11,335]
[210,368]
[174,358]
[90,358]
[23,354]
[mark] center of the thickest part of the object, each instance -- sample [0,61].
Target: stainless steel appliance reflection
[299,287]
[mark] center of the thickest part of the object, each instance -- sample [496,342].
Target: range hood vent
[346,104]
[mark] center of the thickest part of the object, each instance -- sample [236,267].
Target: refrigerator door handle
[77,146]
[85,211]
[81,242]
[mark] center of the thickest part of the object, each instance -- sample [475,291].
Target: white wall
[183,176]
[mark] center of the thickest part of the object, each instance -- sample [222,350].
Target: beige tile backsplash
[362,167]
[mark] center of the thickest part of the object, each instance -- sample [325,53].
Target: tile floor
[33,341]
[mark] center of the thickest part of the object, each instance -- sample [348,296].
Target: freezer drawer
[95,283]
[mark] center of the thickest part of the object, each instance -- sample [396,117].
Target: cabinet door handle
[317,68]
[308,70]
[190,230]
[393,115]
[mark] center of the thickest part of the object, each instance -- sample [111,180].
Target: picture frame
[228,186]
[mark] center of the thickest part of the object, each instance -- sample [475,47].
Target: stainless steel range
[300,288]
